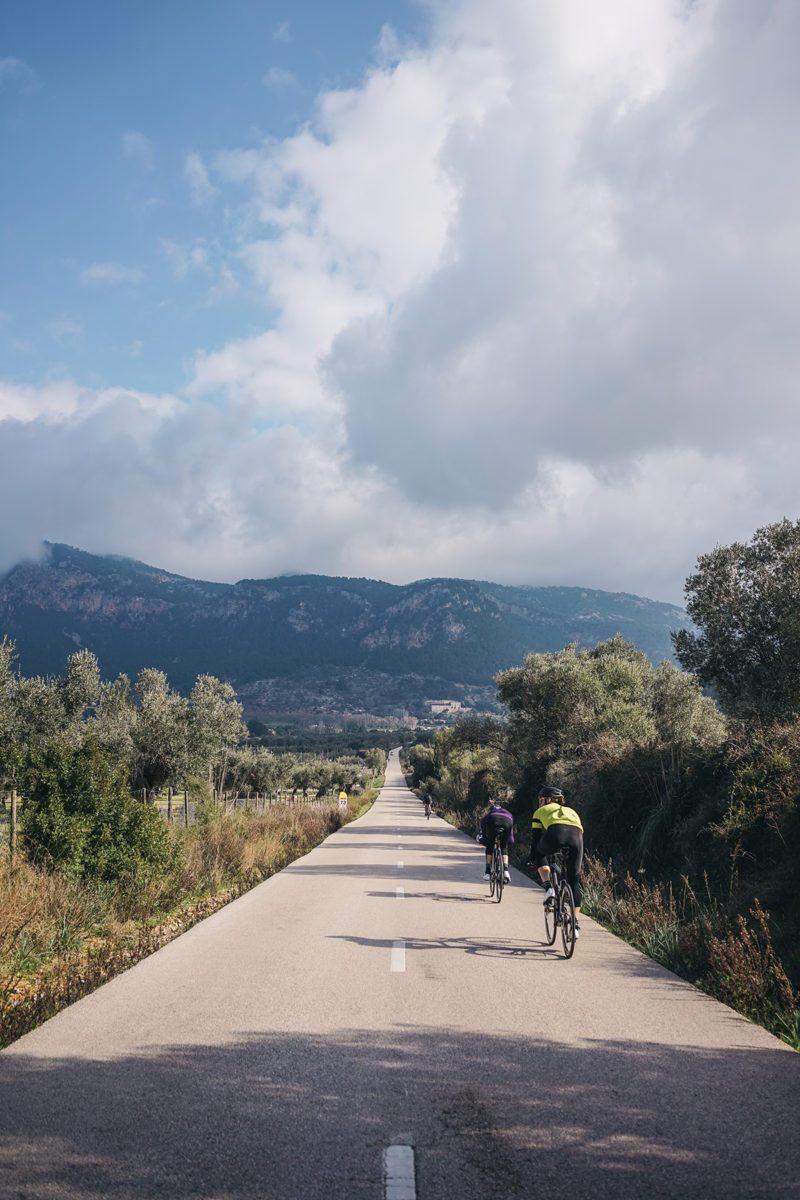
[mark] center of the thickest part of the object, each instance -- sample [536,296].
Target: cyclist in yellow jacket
[556,827]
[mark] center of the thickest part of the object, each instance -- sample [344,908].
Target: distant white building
[446,706]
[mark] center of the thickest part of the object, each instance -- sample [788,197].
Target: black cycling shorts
[498,827]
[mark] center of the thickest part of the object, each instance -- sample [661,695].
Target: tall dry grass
[59,940]
[727,955]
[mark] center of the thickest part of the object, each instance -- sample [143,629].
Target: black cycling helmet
[552,793]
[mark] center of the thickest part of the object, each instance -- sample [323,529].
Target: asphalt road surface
[368,1024]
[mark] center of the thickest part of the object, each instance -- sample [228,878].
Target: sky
[397,289]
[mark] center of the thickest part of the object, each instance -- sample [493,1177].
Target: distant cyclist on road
[497,821]
[556,827]
[427,804]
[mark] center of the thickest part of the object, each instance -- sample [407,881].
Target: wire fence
[175,806]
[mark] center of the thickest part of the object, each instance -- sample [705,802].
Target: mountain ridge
[449,633]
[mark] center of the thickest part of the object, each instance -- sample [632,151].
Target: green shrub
[79,816]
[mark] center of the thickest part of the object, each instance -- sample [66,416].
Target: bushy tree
[214,727]
[160,736]
[375,759]
[114,721]
[423,762]
[55,709]
[560,703]
[78,690]
[743,600]
[79,816]
[681,713]
[10,729]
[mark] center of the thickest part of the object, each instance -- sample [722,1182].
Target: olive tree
[214,727]
[160,742]
[743,600]
[114,720]
[49,709]
[560,703]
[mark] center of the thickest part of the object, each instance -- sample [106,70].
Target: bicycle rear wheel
[497,868]
[567,920]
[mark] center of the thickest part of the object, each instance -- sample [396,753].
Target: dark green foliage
[745,601]
[421,759]
[79,817]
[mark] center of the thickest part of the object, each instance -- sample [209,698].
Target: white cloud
[16,75]
[534,314]
[540,239]
[65,401]
[281,80]
[139,149]
[184,259]
[111,272]
[617,279]
[65,331]
[282,33]
[196,173]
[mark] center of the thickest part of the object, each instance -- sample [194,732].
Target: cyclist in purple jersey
[498,821]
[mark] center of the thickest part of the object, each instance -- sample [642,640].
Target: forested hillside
[300,641]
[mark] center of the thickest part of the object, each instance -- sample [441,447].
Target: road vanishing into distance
[369,1024]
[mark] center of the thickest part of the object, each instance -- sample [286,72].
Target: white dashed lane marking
[398,959]
[398,1173]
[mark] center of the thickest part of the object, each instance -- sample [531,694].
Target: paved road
[371,994]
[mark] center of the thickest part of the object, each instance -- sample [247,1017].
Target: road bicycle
[428,811]
[560,911]
[496,881]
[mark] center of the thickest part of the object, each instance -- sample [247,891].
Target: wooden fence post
[169,805]
[186,808]
[13,840]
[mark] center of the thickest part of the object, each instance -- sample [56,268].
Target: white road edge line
[400,864]
[398,958]
[398,1173]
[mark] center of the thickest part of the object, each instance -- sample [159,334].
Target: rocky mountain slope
[308,641]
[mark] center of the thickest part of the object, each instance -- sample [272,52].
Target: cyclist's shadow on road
[441,897]
[483,947]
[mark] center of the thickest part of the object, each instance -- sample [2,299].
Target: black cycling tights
[571,839]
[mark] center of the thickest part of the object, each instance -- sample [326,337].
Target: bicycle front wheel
[567,920]
[551,920]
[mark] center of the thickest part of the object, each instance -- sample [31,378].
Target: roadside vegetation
[687,781]
[64,931]
[98,878]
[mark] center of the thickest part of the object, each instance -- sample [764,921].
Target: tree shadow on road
[285,1114]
